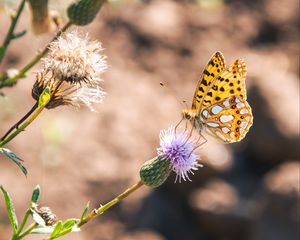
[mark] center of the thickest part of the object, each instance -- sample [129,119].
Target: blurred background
[247,190]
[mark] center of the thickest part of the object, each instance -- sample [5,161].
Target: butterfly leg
[177,125]
[190,135]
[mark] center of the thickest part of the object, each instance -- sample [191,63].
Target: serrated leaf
[57,229]
[10,210]
[83,215]
[14,158]
[45,97]
[36,194]
[19,34]
[42,230]
[37,218]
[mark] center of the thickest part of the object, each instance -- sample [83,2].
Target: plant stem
[23,126]
[22,224]
[102,209]
[10,81]
[20,121]
[28,230]
[9,35]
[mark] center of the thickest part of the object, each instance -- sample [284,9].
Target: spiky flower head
[72,70]
[177,153]
[179,149]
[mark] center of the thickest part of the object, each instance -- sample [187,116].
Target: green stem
[27,231]
[102,209]
[10,33]
[22,225]
[23,126]
[10,81]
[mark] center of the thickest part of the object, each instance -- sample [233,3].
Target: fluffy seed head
[72,71]
[74,58]
[178,148]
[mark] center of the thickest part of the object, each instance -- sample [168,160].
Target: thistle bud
[83,12]
[154,172]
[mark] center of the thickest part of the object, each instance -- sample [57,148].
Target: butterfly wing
[230,82]
[228,120]
[214,68]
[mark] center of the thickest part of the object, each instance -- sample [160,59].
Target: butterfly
[220,101]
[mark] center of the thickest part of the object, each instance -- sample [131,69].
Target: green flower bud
[83,12]
[154,172]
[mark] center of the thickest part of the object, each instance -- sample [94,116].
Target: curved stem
[23,126]
[102,209]
[9,35]
[20,121]
[10,81]
[22,225]
[28,230]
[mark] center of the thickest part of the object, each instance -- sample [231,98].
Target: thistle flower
[72,71]
[179,149]
[176,153]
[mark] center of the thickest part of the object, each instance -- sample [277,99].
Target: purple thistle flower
[178,148]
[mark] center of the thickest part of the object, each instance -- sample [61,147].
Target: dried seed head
[47,215]
[74,58]
[72,71]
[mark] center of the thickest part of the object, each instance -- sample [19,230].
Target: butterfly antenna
[173,94]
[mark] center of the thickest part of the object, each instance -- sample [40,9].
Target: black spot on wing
[204,82]
[201,89]
[206,72]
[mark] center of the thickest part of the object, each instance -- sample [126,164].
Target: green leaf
[57,229]
[69,223]
[14,158]
[45,97]
[85,211]
[10,210]
[35,194]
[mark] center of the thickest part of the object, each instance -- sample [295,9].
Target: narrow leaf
[19,34]
[69,223]
[14,158]
[35,194]
[85,211]
[10,210]
[57,229]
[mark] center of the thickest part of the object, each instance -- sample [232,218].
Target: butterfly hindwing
[214,68]
[228,120]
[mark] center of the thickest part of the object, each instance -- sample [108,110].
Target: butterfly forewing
[228,120]
[214,68]
[230,82]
